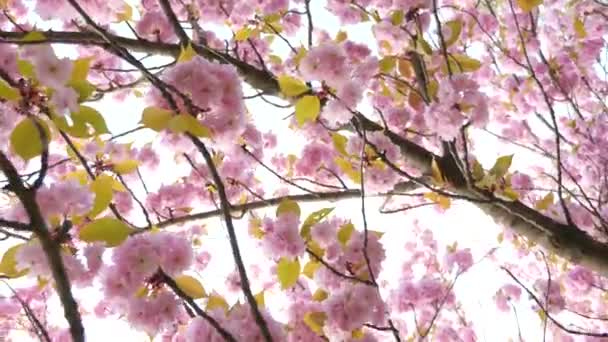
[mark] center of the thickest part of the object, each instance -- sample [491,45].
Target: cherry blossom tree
[309,151]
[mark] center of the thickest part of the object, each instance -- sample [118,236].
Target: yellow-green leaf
[156,118]
[579,28]
[288,272]
[26,140]
[186,54]
[307,109]
[501,166]
[187,123]
[33,36]
[397,17]
[25,68]
[126,14]
[442,201]
[80,68]
[436,173]
[91,117]
[191,286]
[455,29]
[528,5]
[288,206]
[545,203]
[259,299]
[348,169]
[315,321]
[320,295]
[345,232]
[310,268]
[9,93]
[109,230]
[125,166]
[8,264]
[387,64]
[83,87]
[102,188]
[215,301]
[477,170]
[243,34]
[313,219]
[339,143]
[461,63]
[291,86]
[341,36]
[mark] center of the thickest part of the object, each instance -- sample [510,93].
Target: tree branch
[51,249]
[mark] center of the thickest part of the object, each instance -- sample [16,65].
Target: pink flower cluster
[282,237]
[424,292]
[354,305]
[460,101]
[140,257]
[54,73]
[215,92]
[239,322]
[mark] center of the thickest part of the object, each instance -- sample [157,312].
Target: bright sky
[463,223]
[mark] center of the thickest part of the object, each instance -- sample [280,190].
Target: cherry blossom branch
[8,234]
[547,314]
[225,208]
[44,157]
[338,273]
[51,249]
[39,328]
[180,293]
[15,225]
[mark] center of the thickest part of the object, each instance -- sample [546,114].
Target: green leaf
[186,54]
[243,34]
[33,36]
[320,295]
[291,86]
[348,169]
[8,264]
[9,93]
[156,118]
[25,68]
[528,5]
[455,30]
[187,123]
[315,321]
[126,14]
[288,206]
[92,118]
[387,64]
[109,230]
[313,219]
[310,268]
[125,166]
[191,286]
[83,87]
[102,188]
[345,232]
[259,299]
[545,203]
[461,63]
[215,301]
[397,17]
[25,139]
[80,69]
[501,166]
[307,109]
[288,272]
[340,142]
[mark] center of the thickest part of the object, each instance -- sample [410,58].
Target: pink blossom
[282,237]
[461,258]
[154,26]
[327,63]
